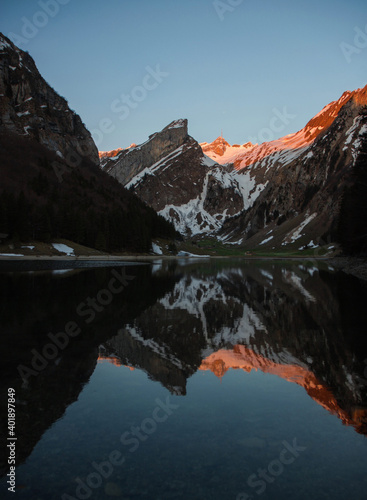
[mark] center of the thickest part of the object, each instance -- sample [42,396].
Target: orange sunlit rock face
[247,154]
[114,360]
[243,358]
[218,146]
[114,152]
[109,154]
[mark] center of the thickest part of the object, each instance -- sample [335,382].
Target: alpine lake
[207,379]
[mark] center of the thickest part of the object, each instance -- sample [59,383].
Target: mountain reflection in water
[176,319]
[296,323]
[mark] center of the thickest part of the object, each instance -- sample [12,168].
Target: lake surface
[185,379]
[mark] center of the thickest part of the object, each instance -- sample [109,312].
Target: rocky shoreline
[356,266]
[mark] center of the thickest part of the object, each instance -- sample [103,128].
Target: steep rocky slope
[305,185]
[181,183]
[128,163]
[30,107]
[287,192]
[293,145]
[51,184]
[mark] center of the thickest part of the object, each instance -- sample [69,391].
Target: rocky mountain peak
[128,163]
[285,192]
[218,146]
[329,113]
[290,145]
[181,123]
[30,107]
[359,96]
[222,152]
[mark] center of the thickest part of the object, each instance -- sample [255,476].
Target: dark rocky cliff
[311,187]
[51,184]
[30,107]
[296,192]
[130,162]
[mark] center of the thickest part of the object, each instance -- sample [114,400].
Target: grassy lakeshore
[39,251]
[68,250]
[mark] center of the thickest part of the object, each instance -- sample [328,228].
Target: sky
[254,70]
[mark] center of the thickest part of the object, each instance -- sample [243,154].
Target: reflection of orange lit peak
[131,368]
[114,360]
[243,358]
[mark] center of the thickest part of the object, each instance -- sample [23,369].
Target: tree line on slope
[87,206]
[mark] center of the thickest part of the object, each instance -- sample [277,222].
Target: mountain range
[307,190]
[304,190]
[51,183]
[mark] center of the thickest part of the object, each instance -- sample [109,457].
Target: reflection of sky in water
[222,432]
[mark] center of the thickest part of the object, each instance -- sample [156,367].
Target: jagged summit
[218,146]
[285,192]
[247,154]
[222,152]
[30,107]
[181,123]
[124,164]
[50,170]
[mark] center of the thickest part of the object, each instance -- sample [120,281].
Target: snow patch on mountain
[297,232]
[192,217]
[155,167]
[156,249]
[60,247]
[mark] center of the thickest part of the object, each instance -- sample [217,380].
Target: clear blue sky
[225,64]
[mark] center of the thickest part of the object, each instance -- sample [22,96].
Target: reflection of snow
[266,274]
[159,348]
[192,295]
[296,281]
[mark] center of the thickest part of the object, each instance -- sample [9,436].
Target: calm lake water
[186,379]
